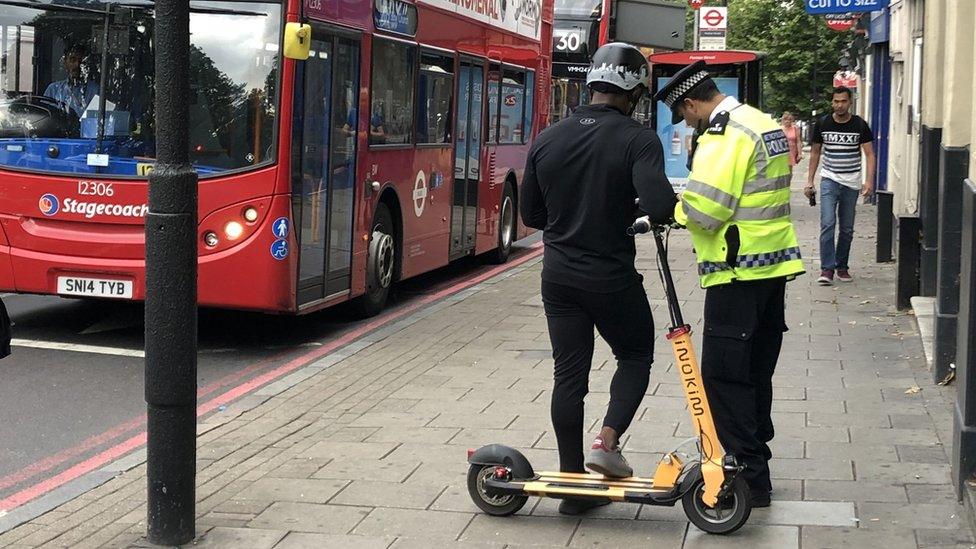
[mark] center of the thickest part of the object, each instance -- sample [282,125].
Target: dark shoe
[844,275]
[826,277]
[759,499]
[578,506]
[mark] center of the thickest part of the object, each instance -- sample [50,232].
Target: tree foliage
[802,53]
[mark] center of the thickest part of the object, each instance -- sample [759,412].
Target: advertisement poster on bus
[676,138]
[522,17]
[510,126]
[340,11]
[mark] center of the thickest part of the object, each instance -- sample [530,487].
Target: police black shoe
[759,499]
[578,506]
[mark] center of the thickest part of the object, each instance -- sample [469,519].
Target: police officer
[737,208]
[581,178]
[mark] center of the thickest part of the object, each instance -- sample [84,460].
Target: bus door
[467,156]
[324,178]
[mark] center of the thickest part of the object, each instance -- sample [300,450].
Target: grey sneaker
[608,462]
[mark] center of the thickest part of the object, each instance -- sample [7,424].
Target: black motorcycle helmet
[620,65]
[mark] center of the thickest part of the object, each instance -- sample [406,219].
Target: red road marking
[78,470]
[234,393]
[53,461]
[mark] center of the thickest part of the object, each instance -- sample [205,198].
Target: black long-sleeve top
[581,178]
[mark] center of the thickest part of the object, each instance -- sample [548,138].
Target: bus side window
[391,116]
[494,90]
[512,102]
[435,91]
[529,104]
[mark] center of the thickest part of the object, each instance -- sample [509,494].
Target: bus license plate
[94,287]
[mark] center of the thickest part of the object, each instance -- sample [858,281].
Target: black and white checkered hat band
[684,87]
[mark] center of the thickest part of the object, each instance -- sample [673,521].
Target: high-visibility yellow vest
[737,203]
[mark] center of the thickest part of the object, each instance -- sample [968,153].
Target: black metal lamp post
[171,291]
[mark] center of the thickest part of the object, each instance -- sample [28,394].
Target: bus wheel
[506,227]
[380,263]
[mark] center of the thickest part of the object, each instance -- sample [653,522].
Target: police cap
[680,86]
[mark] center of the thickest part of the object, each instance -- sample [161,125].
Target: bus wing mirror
[298,41]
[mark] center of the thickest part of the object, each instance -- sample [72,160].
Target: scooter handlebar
[640,226]
[644,225]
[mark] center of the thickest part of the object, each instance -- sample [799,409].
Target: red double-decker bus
[394,148]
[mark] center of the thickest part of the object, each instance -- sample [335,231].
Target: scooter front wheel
[728,515]
[499,506]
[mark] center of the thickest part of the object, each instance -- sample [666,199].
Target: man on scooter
[737,208]
[581,178]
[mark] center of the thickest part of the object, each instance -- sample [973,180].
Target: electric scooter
[714,497]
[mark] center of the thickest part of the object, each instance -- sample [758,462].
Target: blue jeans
[837,203]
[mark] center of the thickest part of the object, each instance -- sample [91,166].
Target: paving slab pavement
[367,448]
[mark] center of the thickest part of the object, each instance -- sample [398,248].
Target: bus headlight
[232,225]
[233,230]
[250,214]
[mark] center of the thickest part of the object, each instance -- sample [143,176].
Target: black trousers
[5,331]
[744,325]
[624,320]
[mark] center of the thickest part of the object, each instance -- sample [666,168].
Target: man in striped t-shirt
[840,137]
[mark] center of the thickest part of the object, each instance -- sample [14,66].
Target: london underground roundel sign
[713,17]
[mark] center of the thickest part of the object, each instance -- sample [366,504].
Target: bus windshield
[578,8]
[77,79]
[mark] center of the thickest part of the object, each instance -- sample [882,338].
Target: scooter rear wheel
[499,506]
[731,512]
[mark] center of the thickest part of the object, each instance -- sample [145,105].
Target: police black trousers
[624,321]
[744,325]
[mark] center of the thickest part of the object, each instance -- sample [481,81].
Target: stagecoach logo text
[50,205]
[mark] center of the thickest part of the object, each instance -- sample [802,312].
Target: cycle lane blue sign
[816,7]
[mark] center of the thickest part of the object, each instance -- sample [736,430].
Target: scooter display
[714,497]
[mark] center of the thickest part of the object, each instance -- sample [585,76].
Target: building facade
[928,49]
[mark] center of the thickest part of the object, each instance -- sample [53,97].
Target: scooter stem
[674,309]
[712,453]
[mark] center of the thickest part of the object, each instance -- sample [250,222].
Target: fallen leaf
[865,302]
[914,389]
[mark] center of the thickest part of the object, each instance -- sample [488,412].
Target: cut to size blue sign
[843,6]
